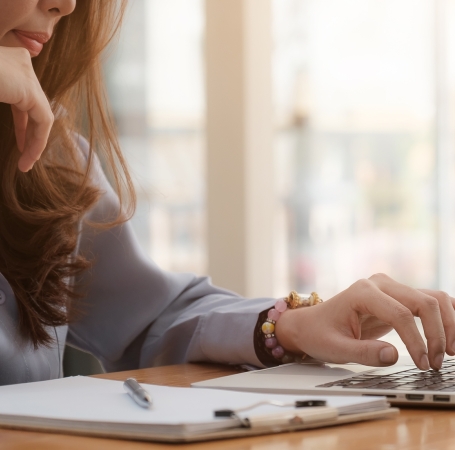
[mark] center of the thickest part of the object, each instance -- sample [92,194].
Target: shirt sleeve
[132,314]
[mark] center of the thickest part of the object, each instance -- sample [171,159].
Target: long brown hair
[40,210]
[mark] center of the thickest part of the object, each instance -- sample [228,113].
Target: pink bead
[273,314]
[281,305]
[278,352]
[271,342]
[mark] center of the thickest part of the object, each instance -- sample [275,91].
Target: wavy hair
[40,211]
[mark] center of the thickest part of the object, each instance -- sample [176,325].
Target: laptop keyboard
[404,380]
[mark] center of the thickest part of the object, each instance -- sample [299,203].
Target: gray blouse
[133,314]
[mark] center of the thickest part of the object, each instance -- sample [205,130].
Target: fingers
[446,306]
[20,126]
[32,114]
[367,298]
[40,121]
[424,306]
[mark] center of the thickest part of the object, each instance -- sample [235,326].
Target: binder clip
[234,413]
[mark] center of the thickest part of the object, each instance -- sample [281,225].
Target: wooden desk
[413,429]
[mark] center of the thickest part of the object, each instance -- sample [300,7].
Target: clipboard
[95,407]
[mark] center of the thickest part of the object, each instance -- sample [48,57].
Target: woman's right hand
[347,327]
[32,114]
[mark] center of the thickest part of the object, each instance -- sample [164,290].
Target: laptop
[402,383]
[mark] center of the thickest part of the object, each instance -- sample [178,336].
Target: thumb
[368,352]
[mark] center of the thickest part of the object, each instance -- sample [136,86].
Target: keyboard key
[427,388]
[388,371]
[360,379]
[417,384]
[438,386]
[413,378]
[406,388]
[404,379]
[364,384]
[390,385]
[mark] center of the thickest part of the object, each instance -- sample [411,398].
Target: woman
[70,267]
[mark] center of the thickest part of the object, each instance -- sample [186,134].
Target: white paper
[91,399]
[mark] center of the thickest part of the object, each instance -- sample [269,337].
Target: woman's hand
[32,113]
[345,328]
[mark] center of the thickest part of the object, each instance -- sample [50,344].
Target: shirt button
[2,297]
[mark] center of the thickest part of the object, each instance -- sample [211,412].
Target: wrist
[286,330]
[282,328]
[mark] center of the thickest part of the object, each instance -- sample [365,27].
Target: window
[155,82]
[362,145]
[359,142]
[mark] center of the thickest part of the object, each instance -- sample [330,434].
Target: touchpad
[319,370]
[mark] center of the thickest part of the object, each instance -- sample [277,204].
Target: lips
[32,41]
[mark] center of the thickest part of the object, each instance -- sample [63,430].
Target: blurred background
[361,126]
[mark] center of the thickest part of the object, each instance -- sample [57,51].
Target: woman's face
[29,23]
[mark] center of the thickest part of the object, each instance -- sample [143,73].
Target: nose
[58,8]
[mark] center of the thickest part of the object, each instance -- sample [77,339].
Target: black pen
[137,393]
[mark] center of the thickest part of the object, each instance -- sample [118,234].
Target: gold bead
[293,300]
[268,328]
[315,298]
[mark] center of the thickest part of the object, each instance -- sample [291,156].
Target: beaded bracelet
[292,301]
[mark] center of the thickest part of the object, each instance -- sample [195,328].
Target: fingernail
[424,363]
[387,355]
[438,360]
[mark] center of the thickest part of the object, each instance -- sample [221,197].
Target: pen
[137,393]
